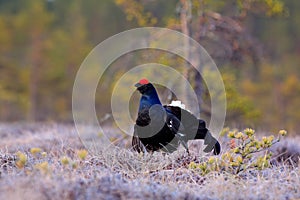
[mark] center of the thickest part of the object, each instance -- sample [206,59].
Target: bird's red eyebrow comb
[143,81]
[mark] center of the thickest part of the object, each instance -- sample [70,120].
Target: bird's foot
[188,152]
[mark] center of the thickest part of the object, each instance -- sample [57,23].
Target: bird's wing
[195,128]
[160,117]
[182,114]
[187,119]
[177,128]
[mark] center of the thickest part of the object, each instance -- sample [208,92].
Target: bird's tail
[211,142]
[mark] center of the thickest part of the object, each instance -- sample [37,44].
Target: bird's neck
[148,100]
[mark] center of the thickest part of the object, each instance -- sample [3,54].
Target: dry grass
[119,173]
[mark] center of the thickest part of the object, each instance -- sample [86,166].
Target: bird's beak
[138,85]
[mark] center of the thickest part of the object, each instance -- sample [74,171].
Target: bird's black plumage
[164,128]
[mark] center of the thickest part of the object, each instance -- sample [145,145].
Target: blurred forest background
[255,44]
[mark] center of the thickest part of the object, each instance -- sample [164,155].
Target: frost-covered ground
[120,173]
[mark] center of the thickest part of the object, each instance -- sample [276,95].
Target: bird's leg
[183,142]
[144,149]
[188,152]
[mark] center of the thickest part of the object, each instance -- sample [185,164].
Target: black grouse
[165,127]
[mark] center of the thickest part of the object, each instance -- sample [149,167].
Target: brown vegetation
[120,173]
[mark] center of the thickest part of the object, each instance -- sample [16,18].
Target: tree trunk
[185,28]
[35,62]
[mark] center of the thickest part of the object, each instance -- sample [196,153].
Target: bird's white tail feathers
[178,104]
